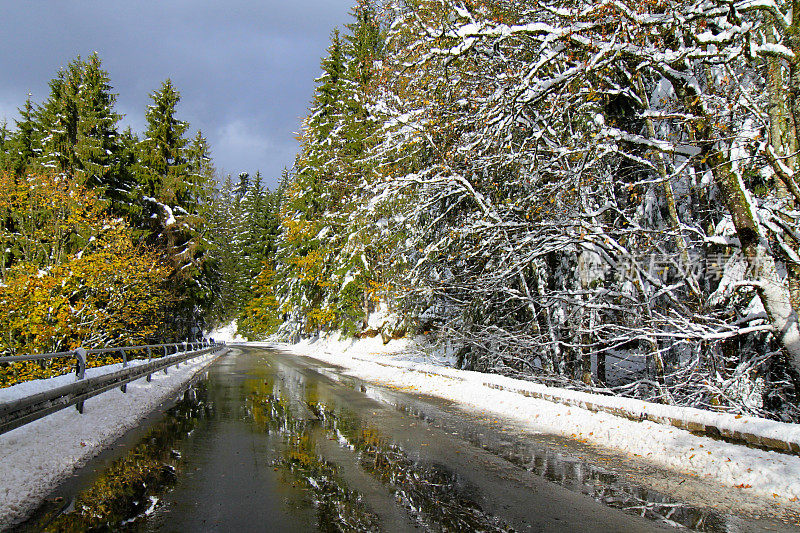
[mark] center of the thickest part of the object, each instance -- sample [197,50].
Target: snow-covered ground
[28,388]
[36,457]
[225,334]
[763,473]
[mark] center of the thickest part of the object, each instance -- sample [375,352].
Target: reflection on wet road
[278,443]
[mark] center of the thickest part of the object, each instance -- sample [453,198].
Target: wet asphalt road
[231,485]
[271,442]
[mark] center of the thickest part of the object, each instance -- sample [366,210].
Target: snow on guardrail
[22,410]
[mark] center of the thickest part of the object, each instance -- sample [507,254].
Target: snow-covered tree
[323,270]
[174,182]
[563,176]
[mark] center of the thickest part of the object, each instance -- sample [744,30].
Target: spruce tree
[201,170]
[98,147]
[57,120]
[162,154]
[355,261]
[75,132]
[323,270]
[25,142]
[6,147]
[223,253]
[170,206]
[260,314]
[303,252]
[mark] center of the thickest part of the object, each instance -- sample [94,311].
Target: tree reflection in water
[126,492]
[339,508]
[434,496]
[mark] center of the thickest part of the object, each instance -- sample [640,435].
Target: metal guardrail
[19,412]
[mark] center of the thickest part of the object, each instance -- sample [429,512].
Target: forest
[594,195]
[103,233]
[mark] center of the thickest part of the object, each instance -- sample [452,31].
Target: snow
[762,473]
[170,216]
[36,457]
[28,388]
[225,334]
[775,50]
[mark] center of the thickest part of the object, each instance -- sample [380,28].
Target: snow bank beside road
[764,473]
[28,388]
[36,457]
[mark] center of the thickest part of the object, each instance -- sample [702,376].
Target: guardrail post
[38,405]
[80,356]
[149,358]
[124,387]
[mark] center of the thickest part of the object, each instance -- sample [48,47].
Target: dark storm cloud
[245,69]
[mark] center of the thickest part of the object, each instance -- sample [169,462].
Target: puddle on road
[602,484]
[432,494]
[550,457]
[437,497]
[133,484]
[338,507]
[321,434]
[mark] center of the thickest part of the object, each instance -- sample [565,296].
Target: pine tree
[75,132]
[162,154]
[356,257]
[25,138]
[322,270]
[98,147]
[201,169]
[171,201]
[6,147]
[260,314]
[223,254]
[57,120]
[302,252]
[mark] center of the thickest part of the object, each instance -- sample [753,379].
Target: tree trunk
[772,290]
[669,193]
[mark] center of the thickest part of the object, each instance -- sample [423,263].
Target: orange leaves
[375,290]
[45,215]
[77,277]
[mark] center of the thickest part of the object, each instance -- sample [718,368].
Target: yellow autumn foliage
[109,295]
[44,217]
[261,315]
[89,286]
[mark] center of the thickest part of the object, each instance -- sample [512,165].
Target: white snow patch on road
[763,473]
[36,457]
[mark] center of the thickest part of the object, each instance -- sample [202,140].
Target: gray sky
[245,68]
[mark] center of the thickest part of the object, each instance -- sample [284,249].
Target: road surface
[273,442]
